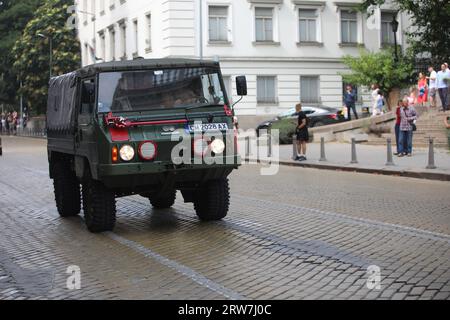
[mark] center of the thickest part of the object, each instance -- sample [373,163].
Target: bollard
[431,164]
[269,145]
[247,147]
[1,150]
[294,147]
[322,149]
[390,161]
[354,160]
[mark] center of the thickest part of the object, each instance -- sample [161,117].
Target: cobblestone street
[301,234]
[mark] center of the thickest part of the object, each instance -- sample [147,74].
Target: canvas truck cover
[61,104]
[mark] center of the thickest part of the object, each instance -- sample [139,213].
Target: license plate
[208,127]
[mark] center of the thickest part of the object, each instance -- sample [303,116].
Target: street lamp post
[394,24]
[50,41]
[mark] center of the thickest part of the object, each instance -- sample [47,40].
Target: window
[111,4]
[87,96]
[86,54]
[308,25]
[159,89]
[218,29]
[102,6]
[387,36]
[136,36]
[309,89]
[265,89]
[349,27]
[112,44]
[148,41]
[264,24]
[123,41]
[103,46]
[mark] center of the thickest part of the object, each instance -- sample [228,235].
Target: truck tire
[165,201]
[212,200]
[99,206]
[67,189]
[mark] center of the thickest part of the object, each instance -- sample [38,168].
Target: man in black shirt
[302,133]
[349,101]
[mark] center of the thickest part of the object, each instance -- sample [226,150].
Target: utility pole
[21,105]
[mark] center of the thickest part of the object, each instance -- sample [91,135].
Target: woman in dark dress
[302,133]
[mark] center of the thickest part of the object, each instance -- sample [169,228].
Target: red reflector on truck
[119,134]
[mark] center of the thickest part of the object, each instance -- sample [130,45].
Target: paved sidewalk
[371,159]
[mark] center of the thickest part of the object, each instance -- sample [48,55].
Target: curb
[398,173]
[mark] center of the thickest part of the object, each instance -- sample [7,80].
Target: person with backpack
[302,133]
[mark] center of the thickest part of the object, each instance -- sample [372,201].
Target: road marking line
[360,221]
[190,273]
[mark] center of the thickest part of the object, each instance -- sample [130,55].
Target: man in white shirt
[442,79]
[432,86]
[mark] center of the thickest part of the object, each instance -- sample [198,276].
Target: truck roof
[142,64]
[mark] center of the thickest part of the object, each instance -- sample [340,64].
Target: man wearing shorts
[302,133]
[432,86]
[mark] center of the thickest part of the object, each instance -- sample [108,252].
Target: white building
[290,50]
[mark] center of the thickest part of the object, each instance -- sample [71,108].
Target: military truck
[112,128]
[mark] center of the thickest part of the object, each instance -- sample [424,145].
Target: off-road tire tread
[213,200]
[99,206]
[66,189]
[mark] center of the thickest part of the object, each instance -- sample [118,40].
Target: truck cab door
[85,125]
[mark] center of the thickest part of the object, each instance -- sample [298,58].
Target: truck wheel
[212,201]
[67,189]
[99,206]
[165,201]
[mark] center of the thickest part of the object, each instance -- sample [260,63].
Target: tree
[14,15]
[430,21]
[32,51]
[378,68]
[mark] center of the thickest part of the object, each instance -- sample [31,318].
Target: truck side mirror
[241,85]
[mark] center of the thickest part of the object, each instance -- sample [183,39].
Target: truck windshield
[159,89]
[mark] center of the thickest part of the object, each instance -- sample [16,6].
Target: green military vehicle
[113,127]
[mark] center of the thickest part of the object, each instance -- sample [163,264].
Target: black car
[286,121]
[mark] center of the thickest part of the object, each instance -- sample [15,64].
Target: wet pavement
[300,234]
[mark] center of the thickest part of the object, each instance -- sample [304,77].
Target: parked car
[286,121]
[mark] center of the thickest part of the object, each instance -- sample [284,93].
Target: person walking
[423,89]
[302,133]
[350,102]
[432,86]
[374,95]
[2,123]
[408,116]
[443,76]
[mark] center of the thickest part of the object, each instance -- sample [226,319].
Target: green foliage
[32,53]
[430,20]
[380,68]
[286,128]
[14,15]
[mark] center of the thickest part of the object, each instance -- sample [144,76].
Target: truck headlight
[217,146]
[126,152]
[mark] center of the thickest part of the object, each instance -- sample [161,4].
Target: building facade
[290,50]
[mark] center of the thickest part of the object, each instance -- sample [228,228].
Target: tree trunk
[393,97]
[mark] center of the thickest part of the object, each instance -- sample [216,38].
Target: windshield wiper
[204,105]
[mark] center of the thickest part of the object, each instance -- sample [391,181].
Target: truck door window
[87,96]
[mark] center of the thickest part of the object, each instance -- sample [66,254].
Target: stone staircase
[429,124]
